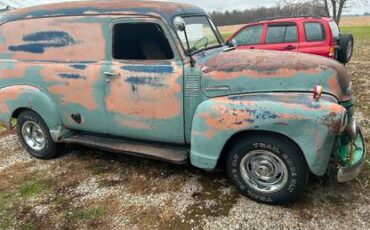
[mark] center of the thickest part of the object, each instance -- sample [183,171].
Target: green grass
[32,188]
[90,214]
[361,33]
[7,217]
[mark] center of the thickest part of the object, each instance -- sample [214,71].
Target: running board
[170,154]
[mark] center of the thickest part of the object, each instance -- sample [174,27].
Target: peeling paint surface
[266,71]
[290,115]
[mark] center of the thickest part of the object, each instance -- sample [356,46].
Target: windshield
[201,34]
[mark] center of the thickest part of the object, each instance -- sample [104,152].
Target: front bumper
[351,167]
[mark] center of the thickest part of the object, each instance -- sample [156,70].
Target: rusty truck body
[156,79]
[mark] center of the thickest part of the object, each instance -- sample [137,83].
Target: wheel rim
[264,171]
[349,50]
[33,135]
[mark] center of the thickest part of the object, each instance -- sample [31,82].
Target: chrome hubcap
[33,135]
[264,171]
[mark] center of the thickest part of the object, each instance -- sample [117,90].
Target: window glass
[281,34]
[334,29]
[200,32]
[291,34]
[249,36]
[140,41]
[314,31]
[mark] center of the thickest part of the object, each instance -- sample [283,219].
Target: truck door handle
[289,47]
[110,74]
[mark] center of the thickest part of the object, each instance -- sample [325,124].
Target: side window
[314,31]
[281,33]
[250,35]
[140,41]
[334,29]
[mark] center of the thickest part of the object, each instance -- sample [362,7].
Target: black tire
[48,149]
[277,147]
[346,48]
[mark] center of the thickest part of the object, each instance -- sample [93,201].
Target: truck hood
[253,71]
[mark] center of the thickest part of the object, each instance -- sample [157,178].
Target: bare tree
[334,8]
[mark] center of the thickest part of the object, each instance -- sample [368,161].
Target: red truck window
[314,31]
[281,33]
[250,35]
[334,29]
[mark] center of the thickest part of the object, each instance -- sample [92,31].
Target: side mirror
[179,24]
[232,43]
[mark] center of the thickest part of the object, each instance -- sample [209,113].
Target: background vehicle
[306,34]
[155,79]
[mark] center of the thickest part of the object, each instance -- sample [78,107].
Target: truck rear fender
[15,98]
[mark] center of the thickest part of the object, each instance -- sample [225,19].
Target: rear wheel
[346,48]
[35,136]
[268,169]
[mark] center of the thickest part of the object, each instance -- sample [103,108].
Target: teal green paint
[358,151]
[35,99]
[249,84]
[306,130]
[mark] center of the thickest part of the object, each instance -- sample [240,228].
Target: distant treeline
[250,15]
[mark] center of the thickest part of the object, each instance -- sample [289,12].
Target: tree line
[250,15]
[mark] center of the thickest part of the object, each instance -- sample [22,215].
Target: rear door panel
[281,37]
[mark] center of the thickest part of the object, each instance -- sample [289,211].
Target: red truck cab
[308,34]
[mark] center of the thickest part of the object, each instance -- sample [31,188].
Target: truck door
[144,98]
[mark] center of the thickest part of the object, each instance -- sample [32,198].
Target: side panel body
[64,57]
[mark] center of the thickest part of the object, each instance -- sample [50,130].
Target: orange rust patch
[9,94]
[283,72]
[77,91]
[145,100]
[87,44]
[18,72]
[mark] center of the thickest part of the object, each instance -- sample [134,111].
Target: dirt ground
[87,188]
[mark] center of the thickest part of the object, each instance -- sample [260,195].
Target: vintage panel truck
[156,79]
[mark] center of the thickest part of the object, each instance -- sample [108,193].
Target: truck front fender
[312,125]
[15,97]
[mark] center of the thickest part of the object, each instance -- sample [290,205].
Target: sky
[222,5]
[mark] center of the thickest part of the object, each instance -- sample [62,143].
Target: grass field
[87,188]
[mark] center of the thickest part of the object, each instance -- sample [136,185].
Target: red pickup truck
[305,34]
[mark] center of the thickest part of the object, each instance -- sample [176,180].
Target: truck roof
[166,10]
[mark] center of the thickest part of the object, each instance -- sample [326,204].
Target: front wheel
[268,169]
[35,136]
